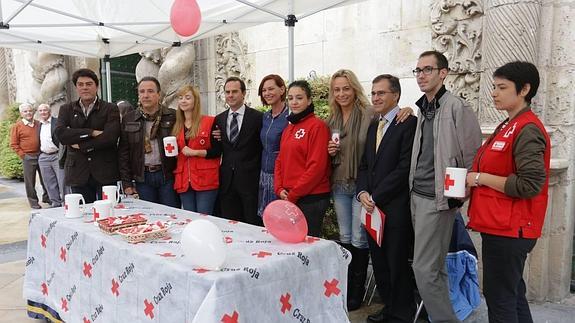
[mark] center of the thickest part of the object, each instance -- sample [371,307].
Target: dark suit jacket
[385,174]
[97,156]
[241,161]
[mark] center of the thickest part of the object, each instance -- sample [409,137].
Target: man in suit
[383,182]
[90,127]
[240,128]
[48,160]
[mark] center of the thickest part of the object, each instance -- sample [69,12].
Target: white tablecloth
[88,276]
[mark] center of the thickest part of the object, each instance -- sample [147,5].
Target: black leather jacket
[131,147]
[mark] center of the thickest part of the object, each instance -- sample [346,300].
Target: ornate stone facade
[231,60]
[457,32]
[7,79]
[49,76]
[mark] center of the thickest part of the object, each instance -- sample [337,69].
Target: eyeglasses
[379,94]
[426,70]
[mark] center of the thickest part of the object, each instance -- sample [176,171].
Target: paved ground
[14,212]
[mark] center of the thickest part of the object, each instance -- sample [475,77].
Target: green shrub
[10,163]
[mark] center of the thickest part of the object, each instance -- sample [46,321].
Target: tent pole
[290,23]
[108,79]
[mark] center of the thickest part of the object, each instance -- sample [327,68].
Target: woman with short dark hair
[509,181]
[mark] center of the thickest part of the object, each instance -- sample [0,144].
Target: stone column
[7,80]
[510,32]
[49,79]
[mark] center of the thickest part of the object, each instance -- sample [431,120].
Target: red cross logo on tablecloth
[64,304]
[63,254]
[44,289]
[284,299]
[331,287]
[170,148]
[261,254]
[311,239]
[149,309]
[166,254]
[200,270]
[114,288]
[86,320]
[173,216]
[231,319]
[229,239]
[96,214]
[120,206]
[87,270]
[43,242]
[232,221]
[448,182]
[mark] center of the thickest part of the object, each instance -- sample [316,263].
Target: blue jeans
[348,211]
[155,188]
[199,201]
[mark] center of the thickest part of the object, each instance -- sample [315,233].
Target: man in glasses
[447,135]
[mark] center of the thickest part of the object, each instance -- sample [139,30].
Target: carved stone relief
[230,61]
[511,33]
[172,66]
[4,93]
[49,76]
[457,32]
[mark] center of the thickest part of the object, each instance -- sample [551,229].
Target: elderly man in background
[24,140]
[52,174]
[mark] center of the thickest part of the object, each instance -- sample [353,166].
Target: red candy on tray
[143,232]
[114,223]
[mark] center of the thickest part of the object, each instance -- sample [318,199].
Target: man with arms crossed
[383,182]
[447,135]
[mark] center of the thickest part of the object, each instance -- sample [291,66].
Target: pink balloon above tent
[285,221]
[185,17]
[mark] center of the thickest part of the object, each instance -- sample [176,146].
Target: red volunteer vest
[201,174]
[495,213]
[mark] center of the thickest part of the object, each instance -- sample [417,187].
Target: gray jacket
[456,139]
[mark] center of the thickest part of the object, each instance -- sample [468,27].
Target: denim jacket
[271,133]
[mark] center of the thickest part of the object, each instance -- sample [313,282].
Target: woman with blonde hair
[197,169]
[350,116]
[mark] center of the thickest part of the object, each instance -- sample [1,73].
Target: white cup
[112,193]
[170,146]
[335,136]
[72,205]
[454,182]
[102,209]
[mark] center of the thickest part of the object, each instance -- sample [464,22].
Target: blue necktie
[234,130]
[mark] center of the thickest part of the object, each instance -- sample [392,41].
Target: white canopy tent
[111,28]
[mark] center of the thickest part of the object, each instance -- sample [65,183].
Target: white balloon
[203,244]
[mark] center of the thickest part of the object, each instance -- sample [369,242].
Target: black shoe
[36,206]
[379,316]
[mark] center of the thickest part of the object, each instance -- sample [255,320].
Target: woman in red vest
[197,170]
[509,181]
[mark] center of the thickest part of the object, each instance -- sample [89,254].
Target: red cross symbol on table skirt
[200,270]
[149,309]
[44,289]
[87,270]
[448,182]
[284,299]
[63,254]
[166,254]
[64,304]
[115,286]
[261,254]
[231,319]
[86,320]
[170,148]
[331,287]
[43,242]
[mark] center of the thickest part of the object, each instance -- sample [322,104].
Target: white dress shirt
[46,144]
[241,111]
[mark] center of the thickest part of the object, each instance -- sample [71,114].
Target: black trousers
[314,211]
[503,285]
[393,273]
[240,202]
[92,190]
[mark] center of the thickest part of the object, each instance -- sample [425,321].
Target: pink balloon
[185,17]
[285,221]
